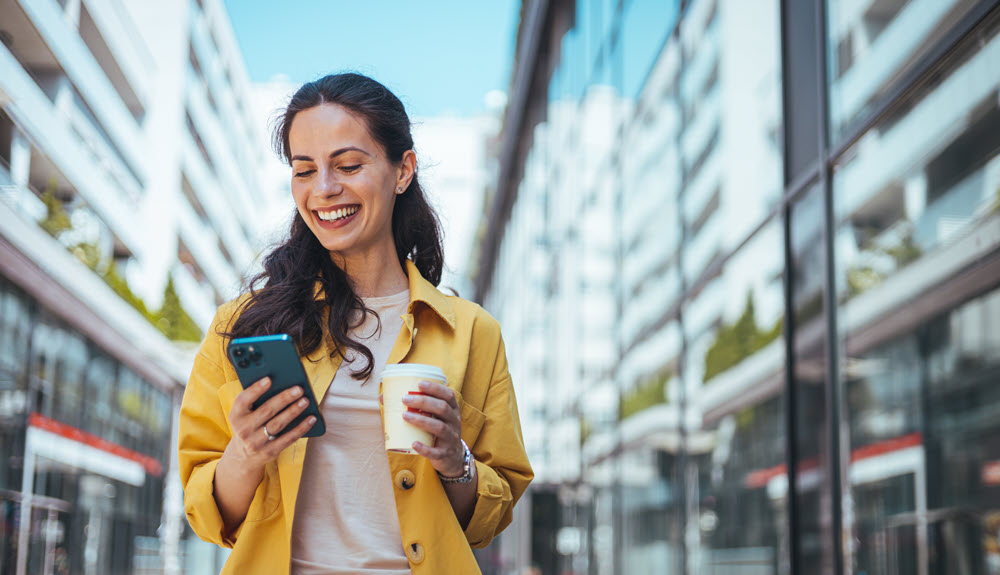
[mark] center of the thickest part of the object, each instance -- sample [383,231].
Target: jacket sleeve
[501,462]
[203,434]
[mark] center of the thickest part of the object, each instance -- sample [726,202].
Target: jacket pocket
[472,421]
[267,499]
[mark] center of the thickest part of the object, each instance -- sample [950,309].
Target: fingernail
[417,445]
[407,415]
[424,385]
[265,382]
[296,391]
[312,420]
[303,402]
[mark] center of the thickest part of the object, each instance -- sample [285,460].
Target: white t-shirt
[345,514]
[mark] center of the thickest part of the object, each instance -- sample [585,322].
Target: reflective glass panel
[734,376]
[645,26]
[914,197]
[814,494]
[871,44]
[917,204]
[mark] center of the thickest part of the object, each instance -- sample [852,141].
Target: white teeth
[334,215]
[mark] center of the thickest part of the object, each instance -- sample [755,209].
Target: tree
[173,320]
[734,343]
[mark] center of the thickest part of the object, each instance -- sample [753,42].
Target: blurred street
[745,255]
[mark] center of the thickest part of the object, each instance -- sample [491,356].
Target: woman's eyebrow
[333,154]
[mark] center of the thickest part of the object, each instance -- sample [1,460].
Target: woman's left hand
[437,412]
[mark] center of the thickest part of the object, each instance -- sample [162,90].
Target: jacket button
[415,553]
[405,479]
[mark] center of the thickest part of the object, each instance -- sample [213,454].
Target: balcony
[20,199]
[885,156]
[99,313]
[100,151]
[697,72]
[891,50]
[203,244]
[702,132]
[746,384]
[704,247]
[109,32]
[227,211]
[59,152]
[703,189]
[86,74]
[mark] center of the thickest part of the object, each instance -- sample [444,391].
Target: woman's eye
[350,169]
[303,173]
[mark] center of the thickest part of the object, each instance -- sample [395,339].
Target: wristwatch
[467,464]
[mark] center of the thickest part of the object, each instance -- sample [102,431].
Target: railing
[24,200]
[101,153]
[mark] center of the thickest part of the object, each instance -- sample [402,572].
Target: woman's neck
[376,273]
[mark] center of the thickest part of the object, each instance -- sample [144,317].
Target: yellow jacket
[446,331]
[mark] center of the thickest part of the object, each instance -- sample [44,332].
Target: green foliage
[56,219]
[734,343]
[120,286]
[88,254]
[745,418]
[173,320]
[650,391]
[863,278]
[585,429]
[905,252]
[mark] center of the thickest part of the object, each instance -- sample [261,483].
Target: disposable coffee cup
[398,381]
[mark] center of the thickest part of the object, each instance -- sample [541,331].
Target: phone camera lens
[243,363]
[239,352]
[254,354]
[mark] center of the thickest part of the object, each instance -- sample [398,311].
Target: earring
[399,190]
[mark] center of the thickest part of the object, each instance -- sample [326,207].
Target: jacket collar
[421,291]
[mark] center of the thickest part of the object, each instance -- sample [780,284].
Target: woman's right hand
[241,467]
[256,440]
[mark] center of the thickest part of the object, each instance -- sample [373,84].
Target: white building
[134,120]
[455,160]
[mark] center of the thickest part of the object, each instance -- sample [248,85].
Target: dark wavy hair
[287,302]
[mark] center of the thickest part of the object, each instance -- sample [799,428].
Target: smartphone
[275,356]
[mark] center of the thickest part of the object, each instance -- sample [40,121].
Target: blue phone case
[275,356]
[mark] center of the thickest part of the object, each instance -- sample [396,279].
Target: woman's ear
[407,168]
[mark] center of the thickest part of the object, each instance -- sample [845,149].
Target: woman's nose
[328,185]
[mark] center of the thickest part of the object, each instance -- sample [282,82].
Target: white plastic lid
[414,370]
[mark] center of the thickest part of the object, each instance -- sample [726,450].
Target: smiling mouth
[337,215]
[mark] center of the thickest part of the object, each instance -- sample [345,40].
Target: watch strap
[466,475]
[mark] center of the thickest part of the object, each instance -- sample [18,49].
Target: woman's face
[343,183]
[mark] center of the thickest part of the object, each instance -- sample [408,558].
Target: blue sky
[439,57]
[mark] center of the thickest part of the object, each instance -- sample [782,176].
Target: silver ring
[268,434]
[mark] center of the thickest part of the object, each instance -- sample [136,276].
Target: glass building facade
[746,254]
[95,449]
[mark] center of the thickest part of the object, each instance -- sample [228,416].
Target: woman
[354,285]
